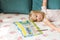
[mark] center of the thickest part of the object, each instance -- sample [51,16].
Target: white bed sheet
[8,30]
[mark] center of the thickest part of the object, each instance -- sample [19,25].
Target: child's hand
[58,29]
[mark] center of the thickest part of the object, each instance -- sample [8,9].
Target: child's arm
[47,22]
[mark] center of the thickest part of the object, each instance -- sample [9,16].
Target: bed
[8,30]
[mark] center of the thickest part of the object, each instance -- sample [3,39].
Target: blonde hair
[43,14]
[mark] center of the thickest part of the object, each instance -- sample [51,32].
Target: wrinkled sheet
[8,30]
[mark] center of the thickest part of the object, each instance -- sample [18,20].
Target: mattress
[8,30]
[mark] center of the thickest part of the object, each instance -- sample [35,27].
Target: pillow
[0,10]
[53,4]
[22,6]
[36,5]
[0,6]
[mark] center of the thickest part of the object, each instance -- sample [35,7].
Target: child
[39,16]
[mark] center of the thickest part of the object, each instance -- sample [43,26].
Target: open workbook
[28,28]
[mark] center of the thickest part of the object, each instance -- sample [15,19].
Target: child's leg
[44,3]
[44,6]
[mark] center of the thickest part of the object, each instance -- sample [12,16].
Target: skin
[47,22]
[38,17]
[44,3]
